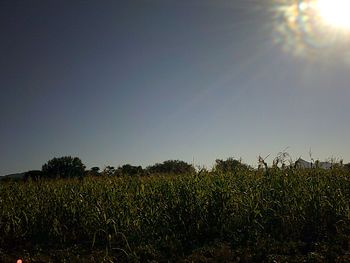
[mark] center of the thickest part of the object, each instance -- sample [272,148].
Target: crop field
[246,216]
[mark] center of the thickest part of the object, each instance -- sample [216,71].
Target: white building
[300,163]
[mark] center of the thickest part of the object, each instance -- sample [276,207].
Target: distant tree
[94,171]
[33,175]
[172,167]
[64,167]
[131,170]
[109,171]
[229,165]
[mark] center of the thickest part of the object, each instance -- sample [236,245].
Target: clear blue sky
[140,82]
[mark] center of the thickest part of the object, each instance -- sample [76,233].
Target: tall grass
[167,217]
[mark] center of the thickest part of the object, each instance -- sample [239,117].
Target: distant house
[300,163]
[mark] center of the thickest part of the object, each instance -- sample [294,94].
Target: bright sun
[336,13]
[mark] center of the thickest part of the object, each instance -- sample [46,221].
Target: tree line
[73,167]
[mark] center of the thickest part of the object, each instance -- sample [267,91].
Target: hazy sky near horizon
[139,82]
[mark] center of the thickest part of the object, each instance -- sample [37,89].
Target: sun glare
[314,28]
[336,13]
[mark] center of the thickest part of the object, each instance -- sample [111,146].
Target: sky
[140,82]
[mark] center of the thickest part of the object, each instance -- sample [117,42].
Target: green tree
[172,167]
[94,171]
[109,171]
[229,165]
[64,167]
[128,169]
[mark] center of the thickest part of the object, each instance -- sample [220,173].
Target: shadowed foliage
[34,175]
[108,171]
[172,167]
[63,167]
[128,169]
[229,165]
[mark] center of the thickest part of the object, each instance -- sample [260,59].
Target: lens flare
[316,28]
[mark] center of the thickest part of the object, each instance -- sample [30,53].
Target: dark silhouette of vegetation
[172,167]
[33,175]
[12,178]
[129,170]
[108,171]
[347,166]
[94,171]
[69,167]
[229,165]
[64,167]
